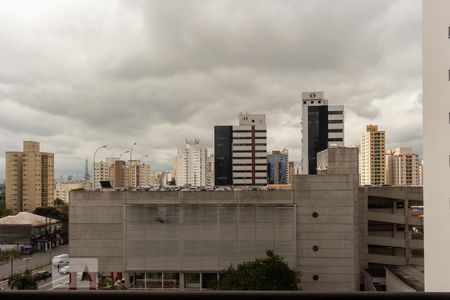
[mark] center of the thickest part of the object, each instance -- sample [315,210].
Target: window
[315,248]
[316,277]
[315,215]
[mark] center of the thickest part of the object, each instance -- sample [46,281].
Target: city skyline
[104,92]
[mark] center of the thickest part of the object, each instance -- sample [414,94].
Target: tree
[3,210]
[11,255]
[59,203]
[23,281]
[270,273]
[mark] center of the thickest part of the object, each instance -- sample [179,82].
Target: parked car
[64,270]
[43,275]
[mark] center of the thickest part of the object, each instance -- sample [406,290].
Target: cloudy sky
[76,75]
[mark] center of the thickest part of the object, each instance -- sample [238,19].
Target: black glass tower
[223,155]
[317,134]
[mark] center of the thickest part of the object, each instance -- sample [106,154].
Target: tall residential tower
[29,178]
[372,157]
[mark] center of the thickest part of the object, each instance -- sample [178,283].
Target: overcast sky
[76,75]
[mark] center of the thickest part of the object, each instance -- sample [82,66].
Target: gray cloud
[76,75]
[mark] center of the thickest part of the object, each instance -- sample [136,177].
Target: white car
[64,270]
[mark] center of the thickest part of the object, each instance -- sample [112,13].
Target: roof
[27,218]
[411,275]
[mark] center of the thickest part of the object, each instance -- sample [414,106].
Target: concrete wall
[334,230]
[436,143]
[96,228]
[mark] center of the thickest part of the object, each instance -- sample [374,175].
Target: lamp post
[125,152]
[93,181]
[129,173]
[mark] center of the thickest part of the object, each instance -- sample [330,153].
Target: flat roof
[27,218]
[412,275]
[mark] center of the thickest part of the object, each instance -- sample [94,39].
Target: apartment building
[62,189]
[210,170]
[436,142]
[277,167]
[291,171]
[402,167]
[191,164]
[29,178]
[322,126]
[241,152]
[372,157]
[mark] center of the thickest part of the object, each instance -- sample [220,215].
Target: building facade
[223,155]
[210,170]
[372,157]
[191,161]
[322,126]
[277,167]
[402,167]
[291,171]
[436,142]
[250,151]
[62,189]
[240,152]
[29,178]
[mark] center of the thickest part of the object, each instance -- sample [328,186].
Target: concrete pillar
[72,280]
[92,281]
[181,280]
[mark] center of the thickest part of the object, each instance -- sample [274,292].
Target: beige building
[29,178]
[63,189]
[210,170]
[118,173]
[291,171]
[402,167]
[372,156]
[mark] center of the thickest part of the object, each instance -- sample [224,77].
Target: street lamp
[93,182]
[131,157]
[146,155]
[27,259]
[125,152]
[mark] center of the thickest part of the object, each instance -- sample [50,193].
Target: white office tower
[436,143]
[322,127]
[191,164]
[250,151]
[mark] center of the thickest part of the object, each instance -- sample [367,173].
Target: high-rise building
[86,171]
[372,157]
[210,170]
[322,126]
[277,167]
[291,171]
[402,167]
[223,155]
[191,162]
[436,143]
[240,152]
[29,178]
[250,150]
